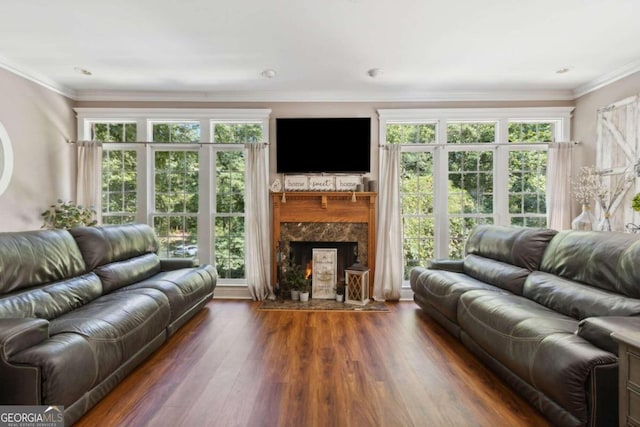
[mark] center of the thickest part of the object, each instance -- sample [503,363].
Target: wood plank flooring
[234,365]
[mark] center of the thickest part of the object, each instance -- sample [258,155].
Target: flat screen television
[323,145]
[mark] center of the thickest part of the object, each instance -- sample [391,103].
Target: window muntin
[113,131]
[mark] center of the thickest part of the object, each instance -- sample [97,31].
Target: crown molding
[326,96]
[36,78]
[607,79]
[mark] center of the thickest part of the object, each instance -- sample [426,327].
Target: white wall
[38,122]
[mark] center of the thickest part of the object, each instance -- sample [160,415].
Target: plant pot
[339,297]
[295,295]
[304,296]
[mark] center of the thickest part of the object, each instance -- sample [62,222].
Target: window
[182,172]
[119,171]
[229,140]
[462,167]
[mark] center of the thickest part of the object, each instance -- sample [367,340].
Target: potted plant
[304,289]
[66,215]
[340,292]
[293,278]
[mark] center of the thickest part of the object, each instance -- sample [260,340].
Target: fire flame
[308,270]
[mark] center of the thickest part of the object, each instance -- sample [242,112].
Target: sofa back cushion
[604,260]
[51,300]
[32,258]
[119,254]
[575,299]
[519,246]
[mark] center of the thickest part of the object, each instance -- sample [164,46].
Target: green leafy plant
[635,203]
[66,215]
[293,277]
[340,289]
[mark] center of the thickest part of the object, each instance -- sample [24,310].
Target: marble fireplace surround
[329,232]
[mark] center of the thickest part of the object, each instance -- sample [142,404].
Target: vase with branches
[592,184]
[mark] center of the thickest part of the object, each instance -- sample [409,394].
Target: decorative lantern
[357,284]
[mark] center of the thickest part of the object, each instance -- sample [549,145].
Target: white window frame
[144,119]
[502,116]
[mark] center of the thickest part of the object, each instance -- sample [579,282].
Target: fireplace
[324,220]
[301,253]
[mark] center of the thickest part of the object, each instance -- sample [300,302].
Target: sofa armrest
[19,334]
[20,383]
[167,264]
[454,265]
[598,330]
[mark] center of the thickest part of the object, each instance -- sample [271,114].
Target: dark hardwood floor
[233,365]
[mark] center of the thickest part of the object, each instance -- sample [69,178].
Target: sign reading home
[31,416]
[296,183]
[347,182]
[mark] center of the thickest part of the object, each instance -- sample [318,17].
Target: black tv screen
[329,145]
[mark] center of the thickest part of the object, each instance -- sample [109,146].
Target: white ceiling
[321,49]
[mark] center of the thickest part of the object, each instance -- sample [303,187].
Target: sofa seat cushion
[442,289]
[117,325]
[537,344]
[576,299]
[184,287]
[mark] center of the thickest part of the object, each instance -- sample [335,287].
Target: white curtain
[257,221]
[387,282]
[559,177]
[89,176]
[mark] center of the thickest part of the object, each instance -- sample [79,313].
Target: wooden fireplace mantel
[318,206]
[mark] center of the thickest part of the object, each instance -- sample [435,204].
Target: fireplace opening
[301,253]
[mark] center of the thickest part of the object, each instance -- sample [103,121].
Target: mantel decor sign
[322,183]
[323,273]
[296,183]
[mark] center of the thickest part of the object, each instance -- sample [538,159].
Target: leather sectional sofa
[80,309]
[538,307]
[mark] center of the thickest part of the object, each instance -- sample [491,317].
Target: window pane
[471,132]
[237,133]
[229,247]
[531,131]
[230,182]
[113,132]
[177,235]
[411,133]
[416,198]
[178,132]
[527,187]
[119,186]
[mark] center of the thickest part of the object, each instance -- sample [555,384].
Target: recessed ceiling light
[374,72]
[563,70]
[83,71]
[269,73]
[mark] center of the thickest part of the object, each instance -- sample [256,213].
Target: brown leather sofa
[80,309]
[538,307]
